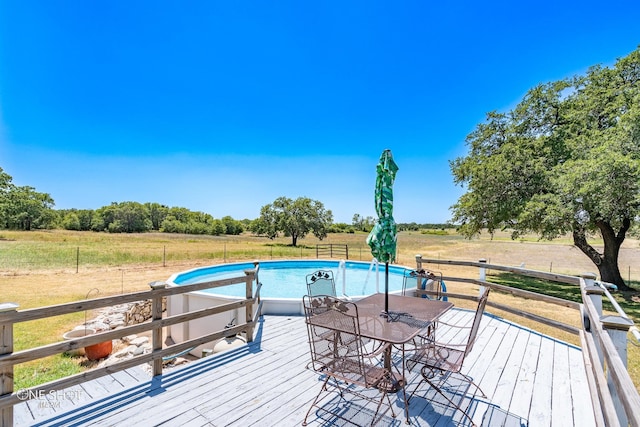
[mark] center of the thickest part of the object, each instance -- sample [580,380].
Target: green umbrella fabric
[382,238]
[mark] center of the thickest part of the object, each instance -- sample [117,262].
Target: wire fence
[18,259]
[77,258]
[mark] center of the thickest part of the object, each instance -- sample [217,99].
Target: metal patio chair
[447,359]
[321,283]
[427,281]
[424,280]
[340,355]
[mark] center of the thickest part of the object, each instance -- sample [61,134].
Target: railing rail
[616,401]
[9,315]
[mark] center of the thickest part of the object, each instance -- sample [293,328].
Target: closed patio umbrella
[382,238]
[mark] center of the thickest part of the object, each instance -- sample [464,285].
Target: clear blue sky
[223,106]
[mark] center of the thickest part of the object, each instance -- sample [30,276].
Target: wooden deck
[529,379]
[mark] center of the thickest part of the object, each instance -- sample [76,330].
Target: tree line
[24,208]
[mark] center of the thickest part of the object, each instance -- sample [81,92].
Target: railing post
[156,332]
[6,374]
[418,262]
[249,276]
[617,327]
[594,293]
[248,314]
[483,276]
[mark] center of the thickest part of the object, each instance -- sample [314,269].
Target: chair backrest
[334,338]
[424,280]
[321,283]
[482,303]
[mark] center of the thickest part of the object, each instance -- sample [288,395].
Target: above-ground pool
[287,279]
[283,286]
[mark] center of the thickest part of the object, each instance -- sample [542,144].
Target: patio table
[406,319]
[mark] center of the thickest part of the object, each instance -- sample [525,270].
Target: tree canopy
[22,207]
[135,217]
[294,218]
[566,159]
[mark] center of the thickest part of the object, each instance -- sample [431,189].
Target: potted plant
[94,351]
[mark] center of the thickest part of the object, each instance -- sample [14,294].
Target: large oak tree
[294,218]
[565,160]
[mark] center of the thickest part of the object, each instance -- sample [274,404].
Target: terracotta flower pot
[98,351]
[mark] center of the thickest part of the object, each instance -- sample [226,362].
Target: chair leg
[317,399]
[415,389]
[468,378]
[375,415]
[406,404]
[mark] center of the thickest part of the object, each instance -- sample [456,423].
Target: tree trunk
[606,262]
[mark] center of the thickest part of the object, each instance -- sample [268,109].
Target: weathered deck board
[523,390]
[529,379]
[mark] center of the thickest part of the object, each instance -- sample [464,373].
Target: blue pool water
[287,279]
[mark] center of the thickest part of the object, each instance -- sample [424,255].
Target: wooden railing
[616,401]
[10,315]
[332,250]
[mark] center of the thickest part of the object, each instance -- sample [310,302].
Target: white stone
[129,338]
[120,353]
[99,326]
[139,341]
[117,324]
[116,317]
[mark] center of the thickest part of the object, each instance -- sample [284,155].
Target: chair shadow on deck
[442,408]
[154,386]
[350,411]
[422,412]
[501,418]
[435,410]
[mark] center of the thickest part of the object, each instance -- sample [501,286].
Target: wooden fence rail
[10,315]
[604,338]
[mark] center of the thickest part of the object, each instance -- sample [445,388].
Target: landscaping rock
[119,316]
